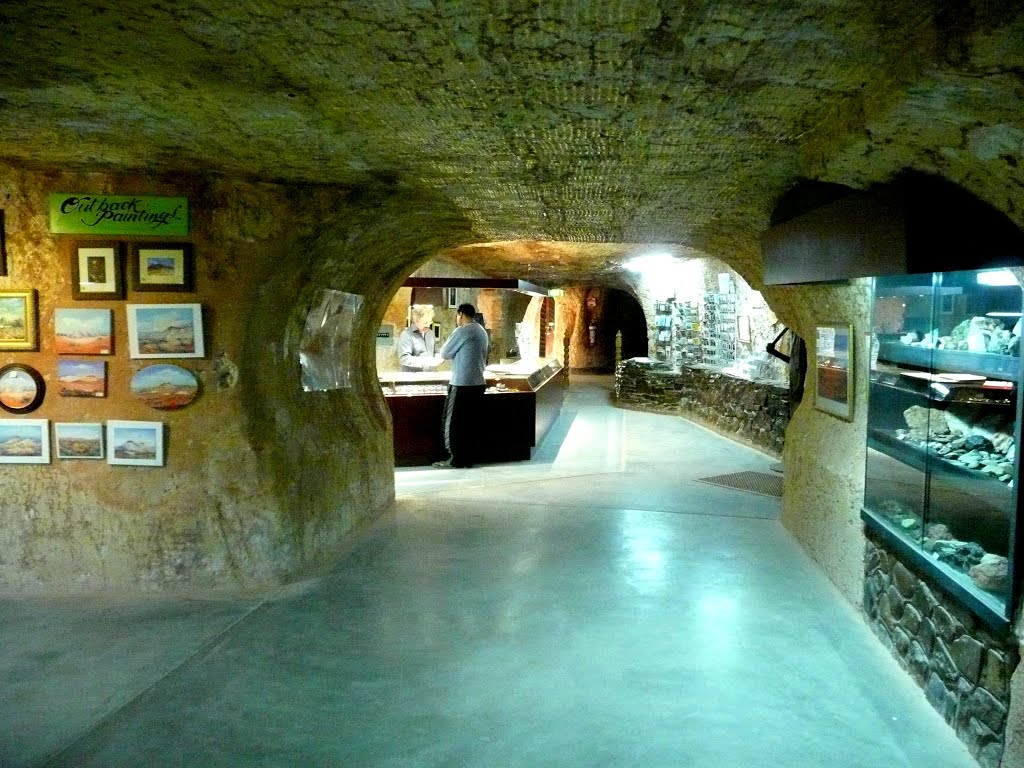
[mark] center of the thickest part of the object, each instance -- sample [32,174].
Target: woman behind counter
[416,343]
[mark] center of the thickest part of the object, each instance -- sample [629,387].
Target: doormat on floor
[762,483]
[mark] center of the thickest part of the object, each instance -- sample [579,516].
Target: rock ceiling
[608,121]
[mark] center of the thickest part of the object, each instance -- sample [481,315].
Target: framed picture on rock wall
[18,329]
[24,441]
[833,370]
[165,330]
[161,267]
[96,269]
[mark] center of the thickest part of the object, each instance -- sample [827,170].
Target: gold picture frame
[19,327]
[833,370]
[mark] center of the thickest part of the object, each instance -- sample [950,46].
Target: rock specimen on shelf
[959,554]
[992,573]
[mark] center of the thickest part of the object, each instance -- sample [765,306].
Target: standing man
[467,349]
[416,343]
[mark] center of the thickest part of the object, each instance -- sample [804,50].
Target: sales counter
[522,401]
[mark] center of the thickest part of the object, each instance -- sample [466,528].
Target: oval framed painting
[21,388]
[165,387]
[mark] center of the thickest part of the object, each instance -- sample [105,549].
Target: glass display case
[943,426]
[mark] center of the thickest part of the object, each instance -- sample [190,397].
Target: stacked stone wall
[963,667]
[753,412]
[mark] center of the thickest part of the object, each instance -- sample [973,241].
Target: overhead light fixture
[997,277]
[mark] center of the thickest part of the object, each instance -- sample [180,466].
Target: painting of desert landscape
[13,311]
[160,266]
[165,330]
[81,378]
[24,441]
[165,387]
[135,442]
[18,389]
[83,331]
[79,440]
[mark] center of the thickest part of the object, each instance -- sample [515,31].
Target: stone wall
[963,668]
[755,413]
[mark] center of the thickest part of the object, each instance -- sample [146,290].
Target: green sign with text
[80,214]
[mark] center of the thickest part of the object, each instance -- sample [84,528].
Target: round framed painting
[21,388]
[165,387]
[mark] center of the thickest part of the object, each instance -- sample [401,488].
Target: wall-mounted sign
[83,214]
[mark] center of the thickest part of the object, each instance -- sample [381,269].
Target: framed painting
[18,329]
[82,378]
[833,370]
[22,389]
[24,441]
[78,440]
[136,443]
[96,269]
[83,331]
[165,387]
[162,267]
[165,330]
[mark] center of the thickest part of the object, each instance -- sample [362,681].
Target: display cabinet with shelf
[943,429]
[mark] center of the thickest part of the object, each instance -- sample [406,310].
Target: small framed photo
[137,443]
[165,330]
[24,441]
[96,269]
[78,440]
[18,329]
[833,386]
[162,267]
[83,331]
[21,388]
[743,329]
[82,378]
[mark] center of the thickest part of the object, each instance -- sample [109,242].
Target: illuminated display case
[943,429]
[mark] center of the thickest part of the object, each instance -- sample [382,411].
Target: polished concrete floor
[596,606]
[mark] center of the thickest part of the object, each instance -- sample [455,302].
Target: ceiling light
[997,277]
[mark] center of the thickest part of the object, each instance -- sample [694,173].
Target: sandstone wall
[262,481]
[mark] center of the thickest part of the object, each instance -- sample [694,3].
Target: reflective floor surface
[596,606]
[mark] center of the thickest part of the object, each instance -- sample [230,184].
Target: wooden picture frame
[97,269]
[24,441]
[19,329]
[135,443]
[165,330]
[78,440]
[22,388]
[833,370]
[162,267]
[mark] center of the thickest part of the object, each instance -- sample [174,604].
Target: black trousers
[462,423]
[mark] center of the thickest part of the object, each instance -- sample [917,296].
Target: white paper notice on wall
[325,352]
[826,345]
[725,283]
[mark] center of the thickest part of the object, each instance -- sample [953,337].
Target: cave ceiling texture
[576,128]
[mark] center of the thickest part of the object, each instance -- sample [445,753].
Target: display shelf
[953,361]
[922,460]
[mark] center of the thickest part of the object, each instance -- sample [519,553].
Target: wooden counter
[512,421]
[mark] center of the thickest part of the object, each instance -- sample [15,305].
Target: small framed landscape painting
[24,441]
[161,267]
[21,388]
[82,378]
[165,330]
[77,440]
[165,387]
[96,271]
[18,329]
[138,443]
[83,331]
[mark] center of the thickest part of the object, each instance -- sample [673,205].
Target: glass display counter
[943,426]
[522,401]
